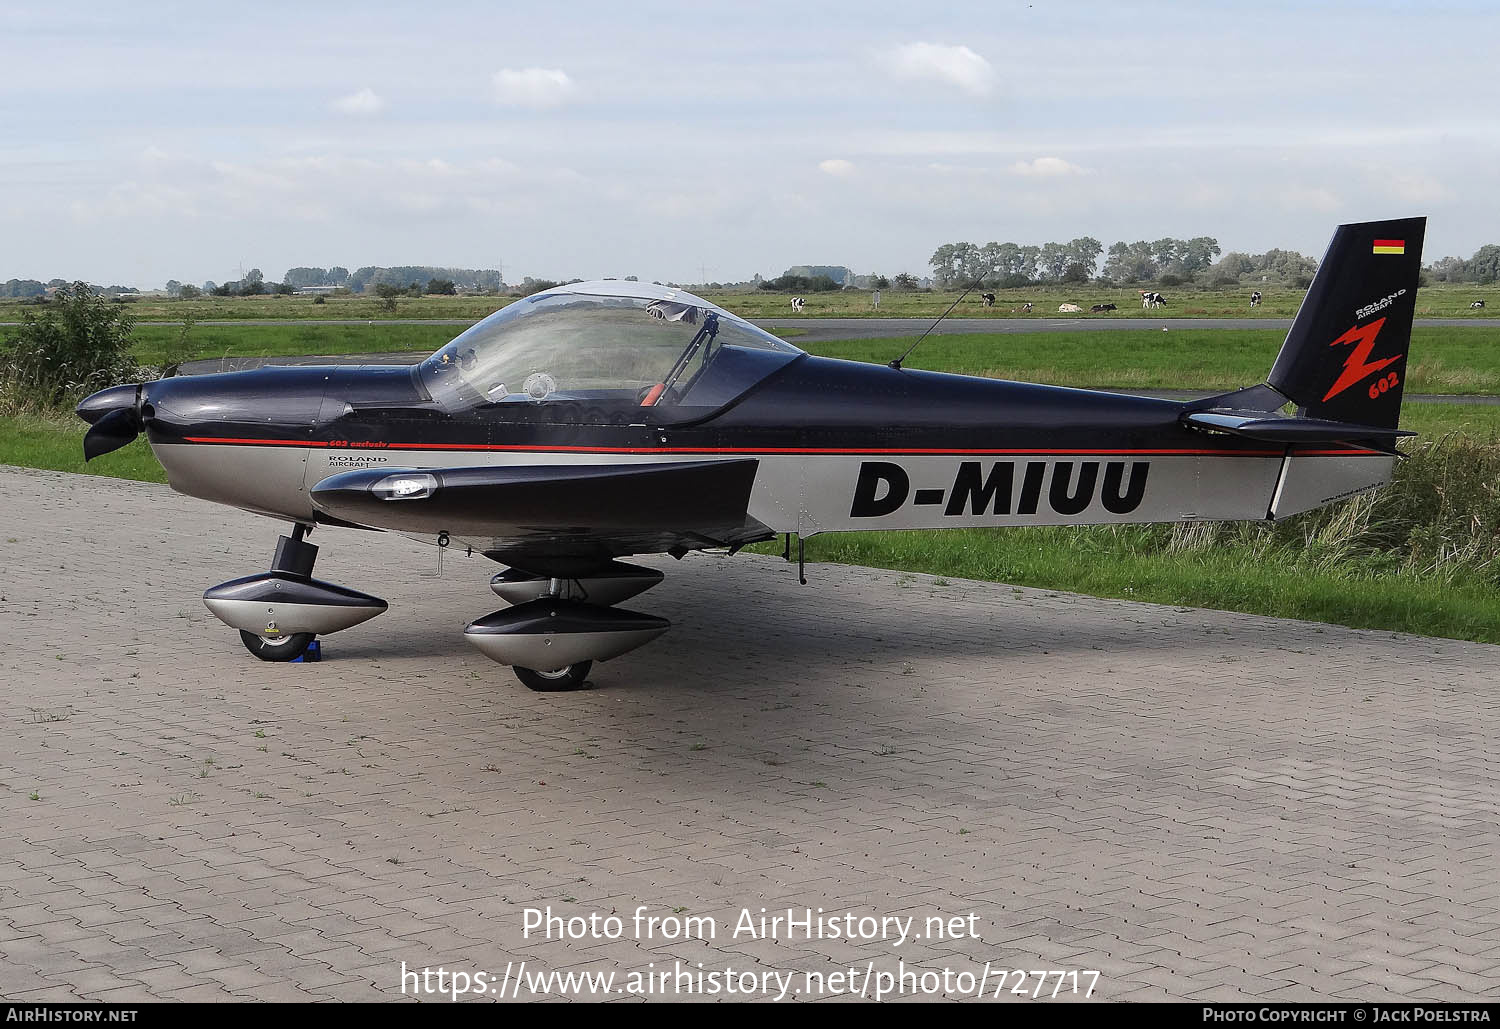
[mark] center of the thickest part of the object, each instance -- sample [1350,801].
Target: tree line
[1166,261]
[1014,264]
[401,276]
[1483,267]
[369,279]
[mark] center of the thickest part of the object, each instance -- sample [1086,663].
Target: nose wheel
[564,680]
[287,647]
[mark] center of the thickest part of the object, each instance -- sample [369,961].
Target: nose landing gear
[279,613]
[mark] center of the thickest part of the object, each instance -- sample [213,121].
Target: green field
[272,340]
[1459,360]
[55,442]
[1443,360]
[1438,301]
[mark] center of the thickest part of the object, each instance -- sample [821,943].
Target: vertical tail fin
[1345,357]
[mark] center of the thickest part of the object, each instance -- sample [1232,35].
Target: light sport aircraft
[599,420]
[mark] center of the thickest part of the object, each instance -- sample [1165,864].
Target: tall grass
[1439,519]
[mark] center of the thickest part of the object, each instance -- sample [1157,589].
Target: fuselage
[840,446]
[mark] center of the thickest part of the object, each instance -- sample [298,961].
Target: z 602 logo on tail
[1358,364]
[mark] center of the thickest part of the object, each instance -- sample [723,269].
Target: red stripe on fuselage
[834,451]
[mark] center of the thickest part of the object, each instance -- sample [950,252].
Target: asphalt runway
[1196,805]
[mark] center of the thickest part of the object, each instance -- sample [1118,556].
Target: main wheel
[277,648]
[561,681]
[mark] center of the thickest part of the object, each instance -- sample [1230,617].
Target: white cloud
[322,187]
[955,66]
[533,87]
[1418,189]
[364,102]
[1308,198]
[837,167]
[1046,168]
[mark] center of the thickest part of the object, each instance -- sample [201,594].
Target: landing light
[406,486]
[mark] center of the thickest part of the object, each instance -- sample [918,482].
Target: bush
[320,299]
[529,286]
[1169,280]
[79,344]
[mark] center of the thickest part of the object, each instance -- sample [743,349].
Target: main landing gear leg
[557,628]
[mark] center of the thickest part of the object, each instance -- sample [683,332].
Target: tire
[284,648]
[564,680]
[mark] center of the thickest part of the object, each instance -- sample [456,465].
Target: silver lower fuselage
[816,492]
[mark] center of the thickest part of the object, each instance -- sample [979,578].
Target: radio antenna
[896,364]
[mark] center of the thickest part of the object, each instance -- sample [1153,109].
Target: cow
[1098,308]
[1255,299]
[1477,305]
[1150,299]
[797,303]
[1023,309]
[988,298]
[1069,309]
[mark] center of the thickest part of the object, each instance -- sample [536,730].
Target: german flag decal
[1390,246]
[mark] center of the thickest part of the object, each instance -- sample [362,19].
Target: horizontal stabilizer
[1281,429]
[499,500]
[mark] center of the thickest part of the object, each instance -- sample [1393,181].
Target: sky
[710,141]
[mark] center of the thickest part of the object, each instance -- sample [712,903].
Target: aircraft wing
[535,515]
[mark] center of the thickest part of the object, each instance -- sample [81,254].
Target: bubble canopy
[602,347]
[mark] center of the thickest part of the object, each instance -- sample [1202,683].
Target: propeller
[114,416]
[111,432]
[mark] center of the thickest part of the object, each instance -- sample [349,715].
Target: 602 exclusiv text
[750,924]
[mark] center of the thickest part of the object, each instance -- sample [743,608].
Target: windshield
[585,342]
